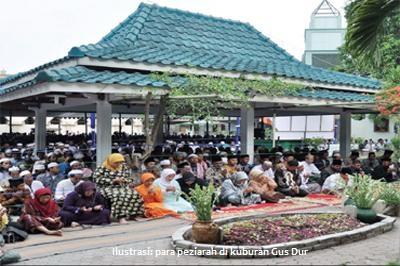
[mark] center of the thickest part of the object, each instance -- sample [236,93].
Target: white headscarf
[163,176]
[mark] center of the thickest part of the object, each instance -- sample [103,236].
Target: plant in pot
[202,200]
[391,196]
[364,192]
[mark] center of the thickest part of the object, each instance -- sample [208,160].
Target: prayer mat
[286,205]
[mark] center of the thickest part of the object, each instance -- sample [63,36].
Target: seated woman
[85,206]
[189,181]
[265,186]
[113,180]
[153,198]
[41,214]
[171,191]
[236,191]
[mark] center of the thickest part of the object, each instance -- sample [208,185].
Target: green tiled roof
[33,70]
[155,34]
[86,75]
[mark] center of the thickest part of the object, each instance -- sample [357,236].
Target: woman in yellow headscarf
[113,180]
[153,198]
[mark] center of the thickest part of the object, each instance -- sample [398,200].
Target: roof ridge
[198,14]
[139,10]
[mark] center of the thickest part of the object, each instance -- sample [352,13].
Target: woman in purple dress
[85,206]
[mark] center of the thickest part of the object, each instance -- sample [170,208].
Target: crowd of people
[57,188]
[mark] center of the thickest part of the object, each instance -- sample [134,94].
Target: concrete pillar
[40,129]
[273,130]
[345,134]
[247,132]
[10,123]
[103,130]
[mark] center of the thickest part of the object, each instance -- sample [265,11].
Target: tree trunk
[158,121]
[151,137]
[147,123]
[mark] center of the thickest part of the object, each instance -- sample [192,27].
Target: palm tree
[366,26]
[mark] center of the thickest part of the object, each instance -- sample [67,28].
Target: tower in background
[324,36]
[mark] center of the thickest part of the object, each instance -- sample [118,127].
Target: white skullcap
[15,150]
[74,162]
[50,165]
[14,169]
[193,156]
[5,160]
[165,162]
[24,173]
[20,145]
[75,172]
[8,151]
[78,155]
[39,166]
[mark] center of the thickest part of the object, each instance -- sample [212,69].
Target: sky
[34,32]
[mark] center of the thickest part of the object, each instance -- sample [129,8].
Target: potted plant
[202,200]
[365,192]
[391,196]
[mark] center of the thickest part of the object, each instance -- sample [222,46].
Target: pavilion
[113,75]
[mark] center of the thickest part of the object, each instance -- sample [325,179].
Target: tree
[203,97]
[368,24]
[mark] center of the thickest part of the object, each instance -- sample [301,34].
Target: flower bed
[274,230]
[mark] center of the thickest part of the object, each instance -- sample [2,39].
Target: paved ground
[97,247]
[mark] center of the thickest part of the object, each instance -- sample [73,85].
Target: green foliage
[358,140]
[366,27]
[314,142]
[385,46]
[391,195]
[364,191]
[358,117]
[202,200]
[203,97]
[395,146]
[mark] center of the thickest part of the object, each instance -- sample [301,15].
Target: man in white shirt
[266,168]
[309,167]
[336,183]
[67,186]
[30,184]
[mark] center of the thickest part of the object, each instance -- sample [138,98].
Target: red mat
[293,204]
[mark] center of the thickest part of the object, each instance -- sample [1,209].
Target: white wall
[298,127]
[365,129]
[71,126]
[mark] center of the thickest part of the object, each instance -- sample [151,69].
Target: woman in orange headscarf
[153,198]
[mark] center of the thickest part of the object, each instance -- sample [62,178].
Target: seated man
[30,184]
[244,163]
[289,180]
[370,163]
[336,183]
[232,165]
[68,185]
[52,177]
[310,173]
[334,168]
[216,173]
[386,171]
[189,181]
[183,168]
[15,194]
[356,167]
